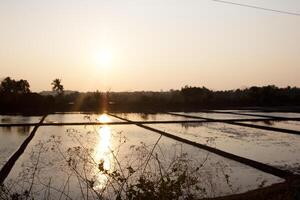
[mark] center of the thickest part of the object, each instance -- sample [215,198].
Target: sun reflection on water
[104,118]
[103,152]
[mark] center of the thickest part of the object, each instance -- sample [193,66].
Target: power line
[257,7]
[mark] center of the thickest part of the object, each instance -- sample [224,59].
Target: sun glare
[104,58]
[103,118]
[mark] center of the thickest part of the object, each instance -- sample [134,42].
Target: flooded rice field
[278,149]
[291,125]
[15,119]
[220,115]
[107,161]
[10,140]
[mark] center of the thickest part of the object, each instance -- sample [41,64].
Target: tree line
[16,97]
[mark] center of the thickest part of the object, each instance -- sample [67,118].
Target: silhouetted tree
[9,85]
[57,86]
[196,95]
[15,96]
[23,86]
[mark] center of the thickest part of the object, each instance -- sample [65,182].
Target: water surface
[219,115]
[67,155]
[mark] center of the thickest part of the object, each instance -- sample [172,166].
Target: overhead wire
[257,7]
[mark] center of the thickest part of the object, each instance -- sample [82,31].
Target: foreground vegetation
[143,172]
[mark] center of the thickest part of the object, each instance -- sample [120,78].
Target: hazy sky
[129,45]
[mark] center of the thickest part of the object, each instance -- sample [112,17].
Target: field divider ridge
[256,115]
[236,122]
[287,175]
[200,120]
[4,172]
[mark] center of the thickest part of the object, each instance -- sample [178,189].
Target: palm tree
[57,86]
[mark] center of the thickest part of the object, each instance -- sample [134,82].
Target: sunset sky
[129,45]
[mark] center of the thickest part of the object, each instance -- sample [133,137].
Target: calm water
[292,125]
[12,137]
[13,119]
[275,148]
[220,115]
[77,117]
[278,149]
[276,114]
[64,156]
[154,117]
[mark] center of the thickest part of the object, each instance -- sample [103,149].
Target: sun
[104,58]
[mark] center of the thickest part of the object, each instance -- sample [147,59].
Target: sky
[131,45]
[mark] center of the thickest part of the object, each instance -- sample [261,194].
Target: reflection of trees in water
[22,130]
[6,120]
[153,117]
[191,125]
[269,122]
[144,116]
[7,129]
[147,116]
